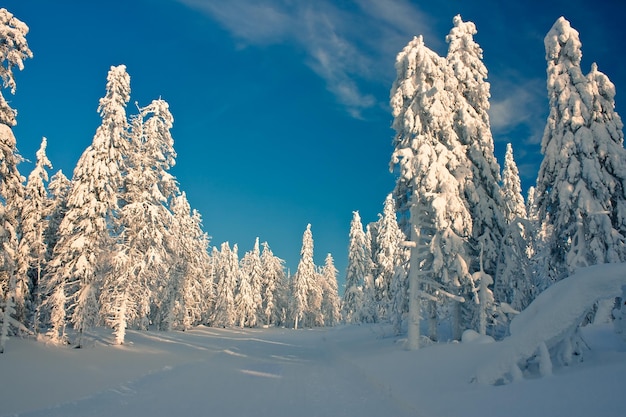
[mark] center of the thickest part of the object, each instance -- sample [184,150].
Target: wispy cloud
[518,114]
[347,45]
[519,105]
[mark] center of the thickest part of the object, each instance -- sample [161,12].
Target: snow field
[344,371]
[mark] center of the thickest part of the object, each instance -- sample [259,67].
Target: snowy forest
[457,247]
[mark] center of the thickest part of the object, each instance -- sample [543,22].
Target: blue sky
[281,106]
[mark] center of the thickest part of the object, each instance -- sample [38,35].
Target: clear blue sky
[281,107]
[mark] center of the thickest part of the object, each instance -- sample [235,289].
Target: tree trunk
[414,284]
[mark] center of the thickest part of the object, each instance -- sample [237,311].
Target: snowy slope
[345,371]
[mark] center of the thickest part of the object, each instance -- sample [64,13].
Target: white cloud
[344,46]
[248,20]
[523,105]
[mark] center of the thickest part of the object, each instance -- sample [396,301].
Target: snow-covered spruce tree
[273,290]
[514,206]
[142,261]
[515,285]
[369,305]
[245,309]
[190,284]
[226,267]
[248,302]
[358,264]
[431,160]
[331,303]
[481,189]
[304,285]
[314,282]
[537,243]
[52,311]
[83,254]
[580,187]
[13,51]
[387,256]
[58,190]
[32,246]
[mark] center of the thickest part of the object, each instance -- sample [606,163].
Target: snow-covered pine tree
[515,285]
[245,308]
[32,246]
[481,189]
[580,187]
[273,289]
[191,277]
[331,303]
[315,314]
[52,311]
[431,162]
[369,305]
[387,256]
[83,254]
[248,301]
[58,190]
[514,206]
[358,265]
[141,262]
[13,51]
[303,285]
[226,267]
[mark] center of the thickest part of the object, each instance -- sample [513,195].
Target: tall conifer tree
[431,162]
[32,247]
[481,186]
[580,187]
[88,231]
[515,284]
[358,264]
[248,300]
[331,303]
[13,51]
[303,284]
[226,267]
[273,276]
[190,285]
[387,255]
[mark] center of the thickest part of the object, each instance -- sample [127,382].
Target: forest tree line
[456,247]
[469,251]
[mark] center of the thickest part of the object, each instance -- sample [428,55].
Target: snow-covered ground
[343,371]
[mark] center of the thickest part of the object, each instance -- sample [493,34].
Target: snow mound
[472,336]
[551,318]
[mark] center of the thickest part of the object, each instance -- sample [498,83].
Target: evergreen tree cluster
[472,252]
[255,291]
[376,261]
[119,244]
[456,246]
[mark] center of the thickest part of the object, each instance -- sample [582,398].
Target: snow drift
[551,320]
